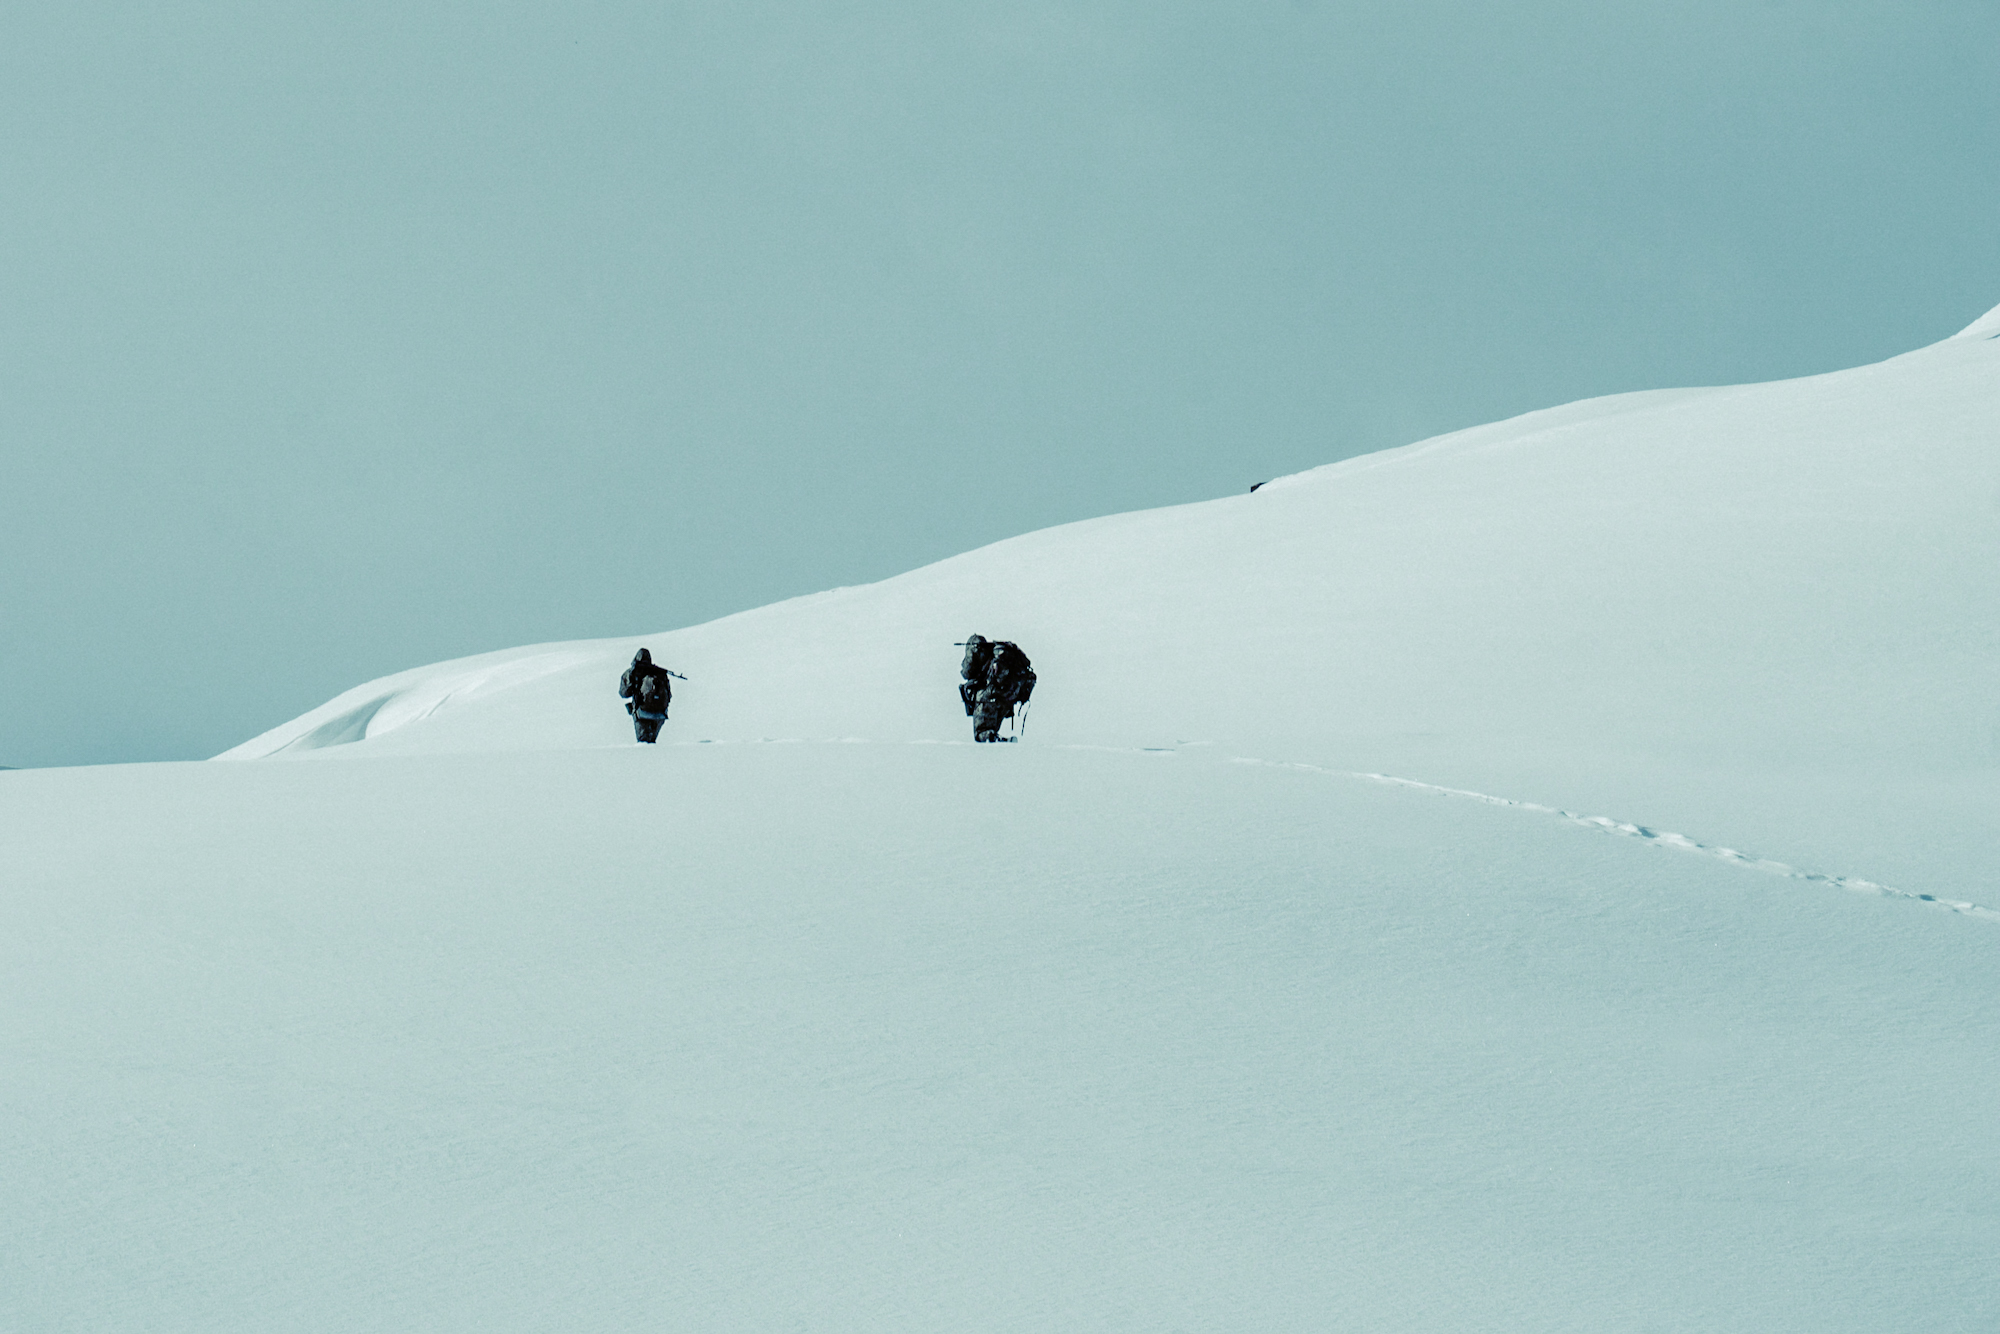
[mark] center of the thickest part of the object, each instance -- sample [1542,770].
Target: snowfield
[1539,878]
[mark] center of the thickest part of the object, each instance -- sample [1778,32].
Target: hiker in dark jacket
[646,688]
[996,680]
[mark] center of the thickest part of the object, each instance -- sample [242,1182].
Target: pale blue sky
[340,339]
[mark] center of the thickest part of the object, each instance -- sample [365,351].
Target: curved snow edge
[389,702]
[1986,326]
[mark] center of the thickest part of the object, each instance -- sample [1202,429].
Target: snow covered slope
[895,1037]
[1765,615]
[1540,878]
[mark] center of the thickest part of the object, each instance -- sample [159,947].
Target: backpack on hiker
[654,692]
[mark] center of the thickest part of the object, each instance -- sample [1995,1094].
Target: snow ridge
[1986,326]
[1658,837]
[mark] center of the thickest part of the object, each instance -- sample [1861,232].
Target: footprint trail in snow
[1657,837]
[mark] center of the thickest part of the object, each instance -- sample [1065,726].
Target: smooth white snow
[749,1037]
[1539,878]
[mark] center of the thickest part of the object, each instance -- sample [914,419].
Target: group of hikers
[995,683]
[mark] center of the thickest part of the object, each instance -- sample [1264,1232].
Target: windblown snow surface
[1541,878]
